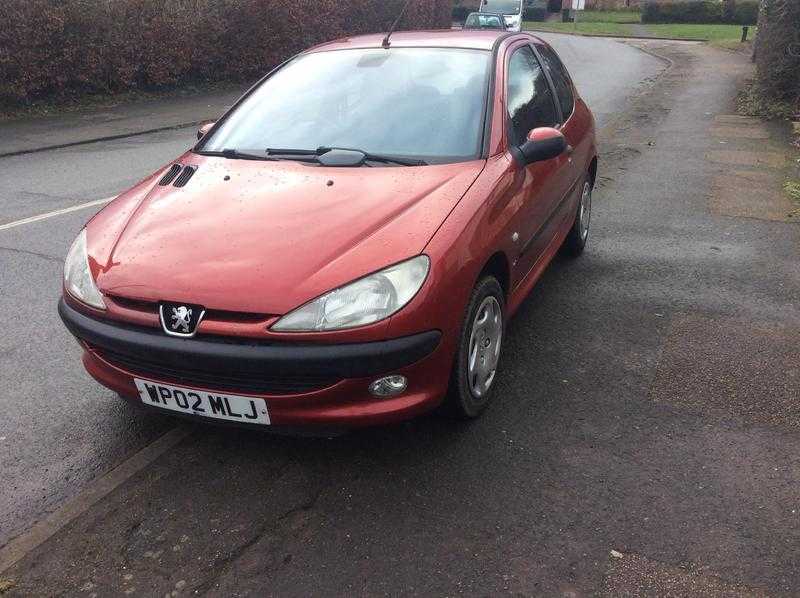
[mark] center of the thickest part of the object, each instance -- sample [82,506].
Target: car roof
[476,39]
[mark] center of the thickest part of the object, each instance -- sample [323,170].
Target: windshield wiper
[270,156]
[298,155]
[237,155]
[327,156]
[275,151]
[234,154]
[395,160]
[375,157]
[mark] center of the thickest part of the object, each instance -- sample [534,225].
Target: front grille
[221,380]
[212,315]
[135,304]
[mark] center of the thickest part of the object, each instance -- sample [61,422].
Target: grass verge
[610,16]
[726,36]
[620,29]
[716,34]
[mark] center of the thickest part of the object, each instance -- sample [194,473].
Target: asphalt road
[61,429]
[646,404]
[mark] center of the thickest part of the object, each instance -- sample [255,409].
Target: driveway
[644,438]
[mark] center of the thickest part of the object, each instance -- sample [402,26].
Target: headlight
[367,300]
[78,277]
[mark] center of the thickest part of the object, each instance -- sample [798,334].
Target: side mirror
[543,143]
[201,132]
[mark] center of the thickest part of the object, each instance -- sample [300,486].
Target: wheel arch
[498,266]
[593,171]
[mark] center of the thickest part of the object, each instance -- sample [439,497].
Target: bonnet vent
[185,175]
[170,175]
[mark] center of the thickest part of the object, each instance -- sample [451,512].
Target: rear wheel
[575,242]
[478,356]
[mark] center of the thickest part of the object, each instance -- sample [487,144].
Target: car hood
[265,237]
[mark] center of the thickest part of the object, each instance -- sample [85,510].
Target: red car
[346,245]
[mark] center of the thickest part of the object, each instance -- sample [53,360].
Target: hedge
[745,12]
[535,13]
[57,48]
[535,10]
[460,13]
[778,50]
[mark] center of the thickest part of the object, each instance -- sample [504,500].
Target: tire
[575,241]
[470,389]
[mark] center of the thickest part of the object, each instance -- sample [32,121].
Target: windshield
[425,103]
[479,21]
[505,7]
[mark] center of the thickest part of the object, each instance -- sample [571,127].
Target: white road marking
[45,529]
[46,215]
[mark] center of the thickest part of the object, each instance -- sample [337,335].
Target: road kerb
[48,148]
[42,531]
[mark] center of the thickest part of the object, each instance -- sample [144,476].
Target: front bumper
[302,383]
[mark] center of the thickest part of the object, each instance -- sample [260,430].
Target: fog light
[388,386]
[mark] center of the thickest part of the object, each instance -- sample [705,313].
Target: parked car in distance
[512,11]
[347,244]
[479,20]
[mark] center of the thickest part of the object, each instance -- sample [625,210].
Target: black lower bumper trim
[351,360]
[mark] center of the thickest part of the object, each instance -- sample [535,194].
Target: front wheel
[576,239]
[478,356]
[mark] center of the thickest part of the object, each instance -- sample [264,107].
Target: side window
[530,101]
[555,68]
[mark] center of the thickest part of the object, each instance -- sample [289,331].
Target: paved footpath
[116,120]
[645,439]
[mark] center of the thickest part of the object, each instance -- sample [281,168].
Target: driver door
[530,104]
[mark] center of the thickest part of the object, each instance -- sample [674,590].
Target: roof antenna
[386,43]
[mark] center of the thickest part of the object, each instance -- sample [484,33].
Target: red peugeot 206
[345,246]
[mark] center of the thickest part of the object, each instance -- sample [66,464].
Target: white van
[510,9]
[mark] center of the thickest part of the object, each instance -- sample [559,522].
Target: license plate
[213,405]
